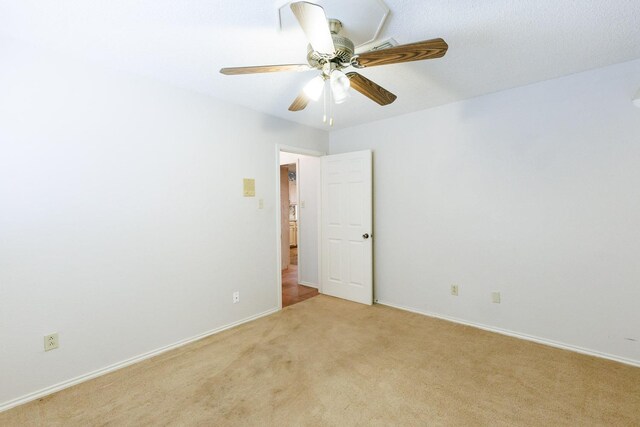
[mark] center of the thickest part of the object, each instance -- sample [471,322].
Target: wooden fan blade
[428,49]
[371,90]
[313,21]
[300,103]
[264,69]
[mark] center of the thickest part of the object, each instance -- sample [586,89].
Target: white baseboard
[519,335]
[311,285]
[86,377]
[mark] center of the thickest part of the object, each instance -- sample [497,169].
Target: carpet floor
[329,362]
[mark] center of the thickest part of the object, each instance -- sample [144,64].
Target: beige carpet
[330,362]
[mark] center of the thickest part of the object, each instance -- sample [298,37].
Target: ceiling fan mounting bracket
[334,25]
[365,18]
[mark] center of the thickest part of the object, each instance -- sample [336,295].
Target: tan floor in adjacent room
[330,362]
[292,291]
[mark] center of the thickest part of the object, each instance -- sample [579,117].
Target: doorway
[299,226]
[334,224]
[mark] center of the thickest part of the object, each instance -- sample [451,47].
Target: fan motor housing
[344,48]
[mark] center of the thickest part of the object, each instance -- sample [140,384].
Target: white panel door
[347,247]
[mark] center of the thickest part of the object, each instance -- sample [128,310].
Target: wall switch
[454,290]
[260,203]
[249,187]
[236,297]
[51,342]
[302,204]
[495,297]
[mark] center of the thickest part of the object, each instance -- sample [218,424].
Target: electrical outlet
[495,297]
[51,342]
[260,203]
[236,297]
[302,204]
[454,290]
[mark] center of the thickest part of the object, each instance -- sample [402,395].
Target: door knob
[365,236]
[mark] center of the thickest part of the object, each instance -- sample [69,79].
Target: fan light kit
[330,53]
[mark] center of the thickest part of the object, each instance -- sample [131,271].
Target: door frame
[303,151]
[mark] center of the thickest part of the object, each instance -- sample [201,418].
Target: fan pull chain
[324,103]
[330,107]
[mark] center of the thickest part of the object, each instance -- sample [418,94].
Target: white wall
[308,219]
[533,192]
[122,221]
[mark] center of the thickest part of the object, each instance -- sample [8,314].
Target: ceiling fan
[330,53]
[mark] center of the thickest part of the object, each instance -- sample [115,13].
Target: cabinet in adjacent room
[293,233]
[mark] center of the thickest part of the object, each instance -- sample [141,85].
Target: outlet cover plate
[51,342]
[495,297]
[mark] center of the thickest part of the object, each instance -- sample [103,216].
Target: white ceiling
[493,45]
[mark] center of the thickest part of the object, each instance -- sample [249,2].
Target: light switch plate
[249,187]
